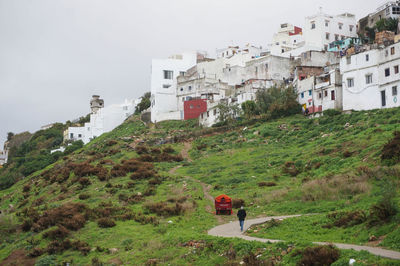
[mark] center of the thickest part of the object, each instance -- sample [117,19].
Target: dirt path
[233,230]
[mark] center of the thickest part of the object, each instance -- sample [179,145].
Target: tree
[144,103]
[389,24]
[278,101]
[249,109]
[227,112]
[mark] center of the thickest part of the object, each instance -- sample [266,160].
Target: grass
[315,166]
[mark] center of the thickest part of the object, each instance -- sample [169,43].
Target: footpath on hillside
[232,229]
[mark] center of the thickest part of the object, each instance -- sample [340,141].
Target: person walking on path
[241,215]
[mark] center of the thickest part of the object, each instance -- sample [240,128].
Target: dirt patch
[18,257]
[116,261]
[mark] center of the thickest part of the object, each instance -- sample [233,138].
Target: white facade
[286,39]
[371,79]
[3,157]
[321,29]
[164,104]
[102,121]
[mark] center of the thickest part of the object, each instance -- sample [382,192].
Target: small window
[336,37]
[79,135]
[190,88]
[325,93]
[342,37]
[350,83]
[327,36]
[302,95]
[71,135]
[166,86]
[309,92]
[183,99]
[387,72]
[168,74]
[309,103]
[312,25]
[332,95]
[392,51]
[326,47]
[367,57]
[368,79]
[181,89]
[182,73]
[208,113]
[340,26]
[394,91]
[125,108]
[202,116]
[191,106]
[215,112]
[319,95]
[351,27]
[396,69]
[326,23]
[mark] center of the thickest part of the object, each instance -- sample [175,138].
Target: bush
[84,196]
[266,184]
[105,222]
[331,112]
[84,181]
[391,151]
[291,169]
[386,208]
[347,219]
[321,255]
[26,188]
[237,203]
[60,233]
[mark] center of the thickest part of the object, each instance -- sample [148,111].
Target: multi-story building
[288,38]
[164,105]
[102,120]
[371,78]
[389,10]
[321,29]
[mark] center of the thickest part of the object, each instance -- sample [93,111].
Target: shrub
[321,255]
[26,188]
[347,219]
[387,207]
[391,151]
[142,173]
[105,222]
[164,209]
[84,181]
[36,252]
[168,149]
[266,184]
[84,196]
[291,169]
[59,233]
[237,203]
[140,149]
[111,142]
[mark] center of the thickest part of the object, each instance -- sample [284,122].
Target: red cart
[223,205]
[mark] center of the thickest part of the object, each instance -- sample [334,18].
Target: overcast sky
[55,54]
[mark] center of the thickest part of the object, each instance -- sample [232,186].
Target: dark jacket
[241,215]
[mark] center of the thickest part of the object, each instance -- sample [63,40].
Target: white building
[322,29]
[371,78]
[288,38]
[3,157]
[164,104]
[102,120]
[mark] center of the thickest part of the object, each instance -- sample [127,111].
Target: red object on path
[194,108]
[223,205]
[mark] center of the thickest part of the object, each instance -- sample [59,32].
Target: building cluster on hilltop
[327,61]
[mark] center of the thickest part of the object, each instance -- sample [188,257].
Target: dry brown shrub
[111,143]
[26,188]
[391,151]
[347,219]
[266,184]
[237,203]
[290,168]
[105,222]
[321,255]
[335,188]
[165,209]
[168,149]
[59,233]
[140,149]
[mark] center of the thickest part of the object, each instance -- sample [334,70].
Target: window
[190,88]
[215,112]
[309,103]
[396,69]
[368,79]
[387,72]
[326,47]
[332,95]
[396,10]
[342,37]
[392,51]
[394,91]
[183,99]
[309,92]
[181,89]
[312,25]
[319,95]
[302,95]
[367,57]
[191,106]
[336,37]
[340,26]
[168,74]
[71,135]
[79,135]
[325,93]
[350,83]
[166,86]
[202,116]
[208,113]
[348,60]
[327,35]
[182,73]
[351,27]
[326,23]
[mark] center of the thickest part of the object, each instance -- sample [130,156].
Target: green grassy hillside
[133,196]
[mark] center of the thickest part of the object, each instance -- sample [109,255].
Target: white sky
[55,54]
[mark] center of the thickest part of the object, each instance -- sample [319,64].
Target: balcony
[322,85]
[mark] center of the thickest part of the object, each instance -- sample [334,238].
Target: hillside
[140,194]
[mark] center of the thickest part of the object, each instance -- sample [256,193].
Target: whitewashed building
[164,103]
[102,120]
[288,38]
[321,29]
[371,78]
[3,157]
